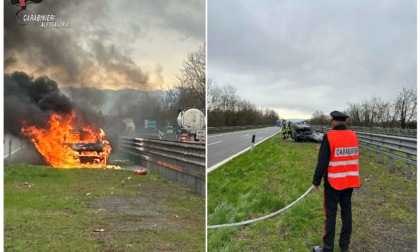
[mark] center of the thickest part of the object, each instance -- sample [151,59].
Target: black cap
[337,115]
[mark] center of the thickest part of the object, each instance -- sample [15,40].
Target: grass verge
[47,209]
[276,173]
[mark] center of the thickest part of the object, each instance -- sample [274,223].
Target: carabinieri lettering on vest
[348,151]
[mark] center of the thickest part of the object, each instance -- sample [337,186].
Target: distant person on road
[338,164]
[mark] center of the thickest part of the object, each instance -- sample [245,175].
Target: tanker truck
[192,125]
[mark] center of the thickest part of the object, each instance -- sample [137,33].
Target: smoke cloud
[79,55]
[33,100]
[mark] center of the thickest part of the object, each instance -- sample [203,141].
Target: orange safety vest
[343,169]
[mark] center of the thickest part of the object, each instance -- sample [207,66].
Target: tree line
[401,112]
[189,91]
[226,108]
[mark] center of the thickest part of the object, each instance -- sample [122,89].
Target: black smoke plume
[32,101]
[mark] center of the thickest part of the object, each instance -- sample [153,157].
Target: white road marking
[214,143]
[214,167]
[230,133]
[13,152]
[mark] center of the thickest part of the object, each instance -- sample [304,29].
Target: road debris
[29,184]
[141,171]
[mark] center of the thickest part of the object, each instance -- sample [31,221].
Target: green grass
[62,208]
[278,172]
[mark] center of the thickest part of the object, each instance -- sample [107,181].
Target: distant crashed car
[317,136]
[303,133]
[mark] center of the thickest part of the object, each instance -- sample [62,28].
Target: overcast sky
[298,57]
[108,44]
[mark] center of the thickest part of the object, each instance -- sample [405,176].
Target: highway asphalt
[223,147]
[11,144]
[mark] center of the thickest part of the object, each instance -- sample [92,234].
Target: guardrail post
[407,172]
[10,150]
[377,153]
[391,162]
[408,167]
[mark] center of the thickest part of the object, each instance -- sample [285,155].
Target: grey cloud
[326,49]
[185,16]
[64,52]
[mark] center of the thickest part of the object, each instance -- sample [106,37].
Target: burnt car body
[87,151]
[304,133]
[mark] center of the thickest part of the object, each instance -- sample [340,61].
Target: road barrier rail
[377,130]
[176,161]
[394,147]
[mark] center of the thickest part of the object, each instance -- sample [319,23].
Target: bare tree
[226,108]
[382,112]
[354,113]
[191,84]
[170,105]
[406,106]
[319,118]
[377,112]
[213,95]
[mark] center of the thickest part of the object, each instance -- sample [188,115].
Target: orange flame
[64,147]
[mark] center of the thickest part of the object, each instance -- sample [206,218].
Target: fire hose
[263,217]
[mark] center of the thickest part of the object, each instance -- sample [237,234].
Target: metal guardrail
[181,162]
[387,131]
[377,130]
[323,128]
[394,147]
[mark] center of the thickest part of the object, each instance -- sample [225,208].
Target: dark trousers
[331,199]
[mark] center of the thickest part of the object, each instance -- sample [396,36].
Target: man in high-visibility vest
[338,164]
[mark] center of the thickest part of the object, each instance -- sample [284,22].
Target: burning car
[88,148]
[63,147]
